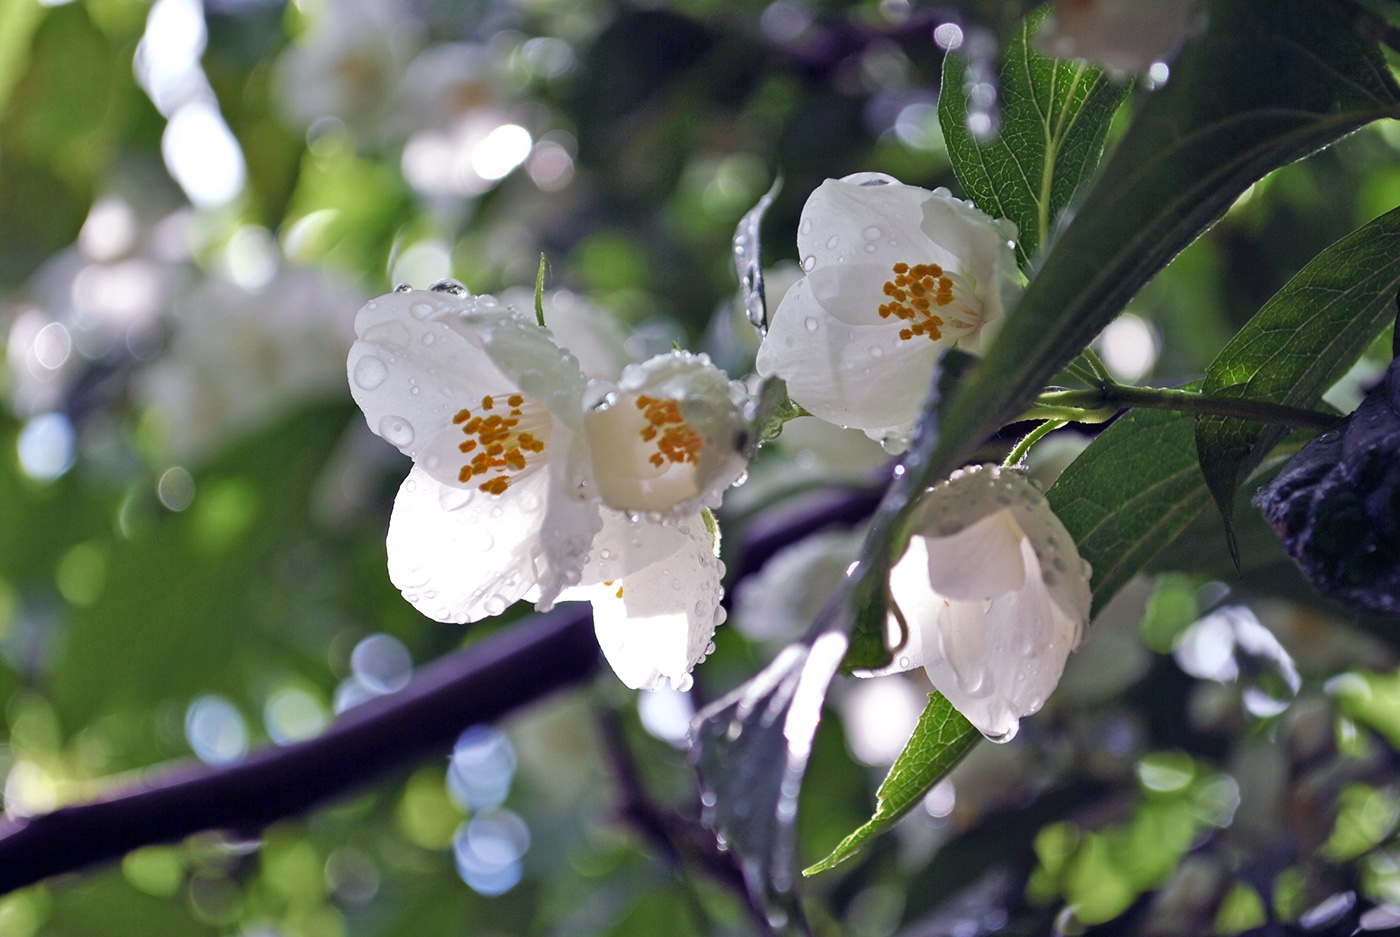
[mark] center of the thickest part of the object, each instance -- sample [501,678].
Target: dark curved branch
[482,683]
[485,682]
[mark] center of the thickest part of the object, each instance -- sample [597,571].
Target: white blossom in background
[101,300]
[348,64]
[1127,36]
[239,358]
[995,596]
[503,501]
[894,275]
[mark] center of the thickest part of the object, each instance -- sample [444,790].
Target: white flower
[995,596]
[895,274]
[669,437]
[1128,36]
[501,503]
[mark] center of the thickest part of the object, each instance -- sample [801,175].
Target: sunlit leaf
[1268,83]
[1054,117]
[1128,495]
[1297,346]
[751,749]
[940,739]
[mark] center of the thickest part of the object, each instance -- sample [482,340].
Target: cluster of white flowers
[537,479]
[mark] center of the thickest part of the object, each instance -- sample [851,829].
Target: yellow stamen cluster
[913,293]
[499,448]
[675,440]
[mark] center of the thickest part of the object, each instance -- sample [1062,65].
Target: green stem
[1164,398]
[1096,365]
[1030,439]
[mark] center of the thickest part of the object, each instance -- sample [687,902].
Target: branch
[485,682]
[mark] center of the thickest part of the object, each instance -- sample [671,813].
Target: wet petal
[460,555]
[657,622]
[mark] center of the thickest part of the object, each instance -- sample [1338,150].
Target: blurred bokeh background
[195,198]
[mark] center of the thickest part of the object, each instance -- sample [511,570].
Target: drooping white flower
[994,594]
[894,275]
[1127,36]
[502,502]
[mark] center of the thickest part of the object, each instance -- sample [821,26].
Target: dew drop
[808,262]
[1004,737]
[420,310]
[811,324]
[399,288]
[904,662]
[876,351]
[870,248]
[683,683]
[495,605]
[709,648]
[807,226]
[429,338]
[872,233]
[370,372]
[832,241]
[396,430]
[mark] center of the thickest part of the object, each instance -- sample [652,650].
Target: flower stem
[1030,439]
[1119,396]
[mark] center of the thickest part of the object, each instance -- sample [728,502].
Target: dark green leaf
[1129,494]
[1297,346]
[1268,83]
[1054,116]
[939,741]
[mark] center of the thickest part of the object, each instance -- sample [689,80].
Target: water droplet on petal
[495,605]
[832,241]
[683,683]
[420,310]
[808,262]
[1004,737]
[396,430]
[429,338]
[370,372]
[807,226]
[811,324]
[872,233]
[400,288]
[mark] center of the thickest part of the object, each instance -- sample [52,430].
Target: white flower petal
[979,562]
[459,555]
[413,369]
[858,376]
[624,546]
[657,622]
[843,218]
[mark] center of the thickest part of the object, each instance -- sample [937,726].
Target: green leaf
[1054,117]
[18,19]
[939,741]
[1128,495]
[1297,346]
[1268,83]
